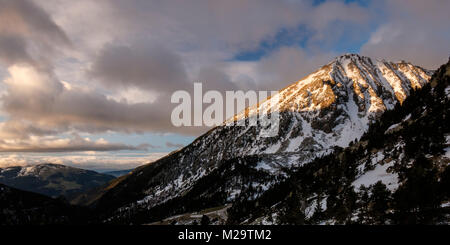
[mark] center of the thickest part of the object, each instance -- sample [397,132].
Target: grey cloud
[13,50]
[287,65]
[19,129]
[28,34]
[213,78]
[76,143]
[233,25]
[154,68]
[201,34]
[203,24]
[326,14]
[71,148]
[25,18]
[51,104]
[150,67]
[416,31]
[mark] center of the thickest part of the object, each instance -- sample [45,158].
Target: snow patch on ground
[378,174]
[353,128]
[273,148]
[27,171]
[392,128]
[294,144]
[262,165]
[407,117]
[447,152]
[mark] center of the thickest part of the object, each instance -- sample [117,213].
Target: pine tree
[380,199]
[417,200]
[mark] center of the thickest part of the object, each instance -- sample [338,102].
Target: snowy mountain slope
[331,107]
[347,93]
[52,179]
[398,173]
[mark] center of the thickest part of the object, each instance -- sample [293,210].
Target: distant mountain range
[118,173]
[52,180]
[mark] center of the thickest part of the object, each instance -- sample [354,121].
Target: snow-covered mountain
[52,179]
[335,104]
[332,106]
[398,173]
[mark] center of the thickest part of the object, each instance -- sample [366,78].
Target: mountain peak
[358,59]
[373,86]
[350,56]
[335,104]
[330,107]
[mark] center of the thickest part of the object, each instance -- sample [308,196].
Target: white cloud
[87,160]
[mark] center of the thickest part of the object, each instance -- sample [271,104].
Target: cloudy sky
[88,83]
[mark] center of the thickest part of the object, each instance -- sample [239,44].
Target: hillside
[327,109]
[398,173]
[27,208]
[52,180]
